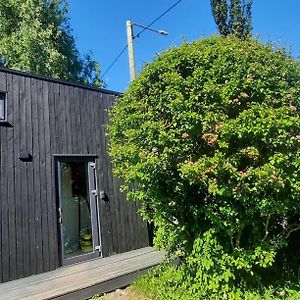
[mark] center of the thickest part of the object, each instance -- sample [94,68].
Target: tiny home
[59,202]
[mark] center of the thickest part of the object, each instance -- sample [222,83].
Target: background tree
[233,17]
[207,139]
[35,36]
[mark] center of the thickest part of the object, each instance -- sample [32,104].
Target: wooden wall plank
[29,219]
[59,124]
[68,119]
[4,204]
[77,120]
[84,119]
[48,92]
[43,188]
[18,177]
[11,181]
[54,248]
[118,233]
[1,204]
[109,184]
[24,183]
[72,121]
[63,124]
[36,110]
[4,181]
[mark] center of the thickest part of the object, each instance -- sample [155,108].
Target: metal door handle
[60,220]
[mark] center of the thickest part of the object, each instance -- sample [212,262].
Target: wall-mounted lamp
[25,157]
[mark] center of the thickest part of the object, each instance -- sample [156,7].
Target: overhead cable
[137,35]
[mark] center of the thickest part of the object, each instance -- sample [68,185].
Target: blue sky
[100,26]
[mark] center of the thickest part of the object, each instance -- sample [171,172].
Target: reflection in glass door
[78,210]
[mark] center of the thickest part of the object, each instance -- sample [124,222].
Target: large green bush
[207,139]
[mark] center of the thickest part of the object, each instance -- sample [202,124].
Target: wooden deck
[83,280]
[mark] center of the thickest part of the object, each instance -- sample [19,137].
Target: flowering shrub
[207,138]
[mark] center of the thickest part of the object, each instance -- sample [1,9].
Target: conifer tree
[233,17]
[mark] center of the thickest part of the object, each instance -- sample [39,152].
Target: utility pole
[130,38]
[129,26]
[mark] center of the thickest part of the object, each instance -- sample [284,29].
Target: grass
[163,286]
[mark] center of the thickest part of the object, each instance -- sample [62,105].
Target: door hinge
[94,192]
[93,165]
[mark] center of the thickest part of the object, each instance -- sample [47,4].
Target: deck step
[83,280]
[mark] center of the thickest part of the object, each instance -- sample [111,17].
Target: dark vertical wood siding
[47,117]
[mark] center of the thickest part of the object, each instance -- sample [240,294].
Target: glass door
[77,211]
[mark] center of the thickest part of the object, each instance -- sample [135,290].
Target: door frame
[94,204]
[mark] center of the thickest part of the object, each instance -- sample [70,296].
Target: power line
[116,59]
[163,14]
[138,35]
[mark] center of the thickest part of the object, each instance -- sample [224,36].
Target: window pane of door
[76,209]
[2,106]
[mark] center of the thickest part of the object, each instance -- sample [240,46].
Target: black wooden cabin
[59,202]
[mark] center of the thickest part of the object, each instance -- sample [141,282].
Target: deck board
[82,280]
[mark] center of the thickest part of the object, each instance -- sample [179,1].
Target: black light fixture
[25,157]
[103,196]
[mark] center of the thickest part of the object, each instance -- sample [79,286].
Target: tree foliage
[35,36]
[233,17]
[207,139]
